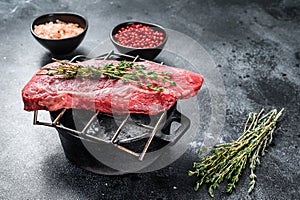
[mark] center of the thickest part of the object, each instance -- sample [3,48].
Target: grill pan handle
[185,123]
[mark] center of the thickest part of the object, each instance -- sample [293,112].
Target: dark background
[256,48]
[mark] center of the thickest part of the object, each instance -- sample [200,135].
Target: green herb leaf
[126,71]
[230,159]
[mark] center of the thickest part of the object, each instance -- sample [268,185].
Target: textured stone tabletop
[255,46]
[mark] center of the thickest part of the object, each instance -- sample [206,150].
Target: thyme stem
[126,71]
[228,160]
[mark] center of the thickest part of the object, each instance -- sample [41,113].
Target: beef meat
[108,95]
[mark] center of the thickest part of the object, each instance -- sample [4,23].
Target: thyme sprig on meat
[227,161]
[126,71]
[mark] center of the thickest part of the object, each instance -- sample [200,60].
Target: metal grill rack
[113,141]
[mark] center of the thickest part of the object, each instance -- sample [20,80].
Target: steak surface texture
[108,95]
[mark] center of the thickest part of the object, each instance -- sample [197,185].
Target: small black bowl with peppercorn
[139,38]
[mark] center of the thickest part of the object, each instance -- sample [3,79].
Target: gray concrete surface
[256,47]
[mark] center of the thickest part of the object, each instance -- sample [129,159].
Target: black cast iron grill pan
[75,146]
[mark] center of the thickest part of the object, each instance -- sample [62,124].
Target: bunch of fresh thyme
[227,161]
[126,71]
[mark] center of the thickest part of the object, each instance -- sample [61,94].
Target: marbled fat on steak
[108,95]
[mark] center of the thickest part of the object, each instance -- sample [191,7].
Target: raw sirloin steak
[106,94]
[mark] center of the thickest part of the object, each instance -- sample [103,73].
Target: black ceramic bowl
[146,53]
[64,45]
